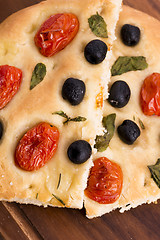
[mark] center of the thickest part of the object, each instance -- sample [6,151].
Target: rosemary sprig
[60,200]
[59,181]
[69,119]
[141,123]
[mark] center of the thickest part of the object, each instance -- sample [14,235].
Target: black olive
[1,129]
[95,51]
[73,90]
[119,94]
[79,151]
[128,132]
[130,35]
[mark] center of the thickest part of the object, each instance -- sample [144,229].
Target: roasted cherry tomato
[105,181]
[10,80]
[37,146]
[150,95]
[56,33]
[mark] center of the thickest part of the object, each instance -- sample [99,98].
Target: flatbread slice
[60,182]
[138,185]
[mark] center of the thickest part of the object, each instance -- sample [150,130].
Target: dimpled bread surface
[138,186]
[29,107]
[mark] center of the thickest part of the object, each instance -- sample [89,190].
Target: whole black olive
[95,51]
[128,132]
[79,151]
[130,35]
[119,94]
[73,90]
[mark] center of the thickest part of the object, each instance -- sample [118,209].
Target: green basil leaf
[125,64]
[98,26]
[38,75]
[108,123]
[37,196]
[155,172]
[60,200]
[102,142]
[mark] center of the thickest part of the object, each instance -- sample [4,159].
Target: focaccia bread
[59,182]
[139,186]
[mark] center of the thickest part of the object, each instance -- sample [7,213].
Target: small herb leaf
[38,75]
[78,119]
[68,119]
[62,114]
[37,196]
[155,172]
[125,64]
[141,124]
[127,205]
[58,199]
[59,181]
[98,26]
[102,142]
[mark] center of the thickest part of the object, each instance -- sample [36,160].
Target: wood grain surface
[22,222]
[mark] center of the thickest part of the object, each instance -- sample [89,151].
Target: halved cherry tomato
[105,181]
[10,80]
[150,95]
[56,33]
[37,146]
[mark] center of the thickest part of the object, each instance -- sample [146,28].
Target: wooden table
[22,222]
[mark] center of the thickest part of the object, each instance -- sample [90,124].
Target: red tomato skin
[56,33]
[37,147]
[105,181]
[150,95]
[10,80]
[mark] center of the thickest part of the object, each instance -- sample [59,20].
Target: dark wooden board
[22,222]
